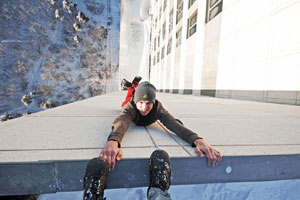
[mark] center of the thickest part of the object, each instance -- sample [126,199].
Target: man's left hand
[213,156]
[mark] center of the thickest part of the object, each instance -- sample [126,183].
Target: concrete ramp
[47,152]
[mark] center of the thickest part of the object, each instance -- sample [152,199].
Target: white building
[247,49]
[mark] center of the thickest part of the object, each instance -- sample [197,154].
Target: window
[169,47]
[159,13]
[192,25]
[191,2]
[149,61]
[179,10]
[164,31]
[214,7]
[158,39]
[157,57]
[178,38]
[171,21]
[154,44]
[162,53]
[154,61]
[165,5]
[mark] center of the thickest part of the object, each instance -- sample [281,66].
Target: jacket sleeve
[121,123]
[173,125]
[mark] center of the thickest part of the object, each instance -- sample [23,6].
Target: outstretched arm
[213,156]
[111,153]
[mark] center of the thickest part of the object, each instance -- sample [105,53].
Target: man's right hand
[111,153]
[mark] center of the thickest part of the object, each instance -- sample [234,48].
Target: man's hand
[111,153]
[213,156]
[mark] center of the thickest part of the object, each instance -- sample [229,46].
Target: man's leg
[131,89]
[160,176]
[125,84]
[95,179]
[130,92]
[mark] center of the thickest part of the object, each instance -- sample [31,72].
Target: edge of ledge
[61,176]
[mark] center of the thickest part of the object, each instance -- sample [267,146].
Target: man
[144,109]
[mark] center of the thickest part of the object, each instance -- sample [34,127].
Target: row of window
[214,7]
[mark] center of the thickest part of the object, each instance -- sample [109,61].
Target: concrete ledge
[259,141]
[61,176]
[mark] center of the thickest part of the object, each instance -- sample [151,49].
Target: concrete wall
[259,51]
[134,43]
[249,51]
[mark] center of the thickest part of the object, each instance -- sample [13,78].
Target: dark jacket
[130,114]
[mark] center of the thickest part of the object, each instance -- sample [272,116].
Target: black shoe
[159,170]
[137,79]
[125,84]
[95,179]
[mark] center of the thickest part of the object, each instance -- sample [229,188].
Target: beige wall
[251,50]
[259,51]
[134,39]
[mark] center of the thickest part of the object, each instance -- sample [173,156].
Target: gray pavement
[79,130]
[252,136]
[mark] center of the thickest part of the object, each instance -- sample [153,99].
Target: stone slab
[55,132]
[137,136]
[160,136]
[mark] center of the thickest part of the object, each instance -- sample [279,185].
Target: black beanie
[145,91]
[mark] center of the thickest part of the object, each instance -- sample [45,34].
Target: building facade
[245,49]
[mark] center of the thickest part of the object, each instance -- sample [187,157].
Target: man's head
[144,97]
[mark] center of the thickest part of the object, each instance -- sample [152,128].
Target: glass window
[192,25]
[159,13]
[162,53]
[154,60]
[154,44]
[191,2]
[213,9]
[157,57]
[179,10]
[165,5]
[178,38]
[171,21]
[169,47]
[164,31]
[213,2]
[158,39]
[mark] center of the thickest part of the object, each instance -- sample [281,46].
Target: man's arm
[173,125]
[201,146]
[112,152]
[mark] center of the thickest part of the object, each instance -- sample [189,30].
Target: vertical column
[165,43]
[183,47]
[159,65]
[198,58]
[173,47]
